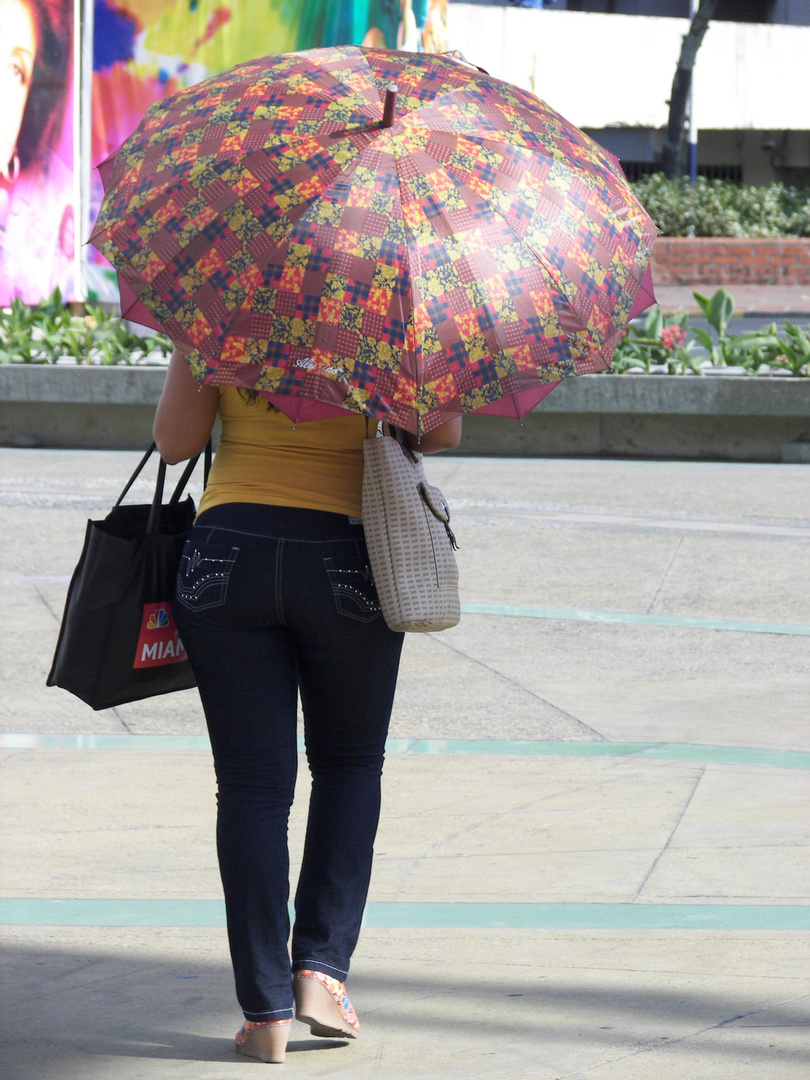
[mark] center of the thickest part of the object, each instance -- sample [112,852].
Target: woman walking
[275,599]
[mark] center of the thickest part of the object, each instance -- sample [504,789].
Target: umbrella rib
[411,256]
[500,136]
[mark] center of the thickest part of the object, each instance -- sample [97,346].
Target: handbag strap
[138,470]
[402,438]
[153,524]
[399,435]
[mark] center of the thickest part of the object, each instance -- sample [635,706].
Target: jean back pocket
[205,569]
[353,587]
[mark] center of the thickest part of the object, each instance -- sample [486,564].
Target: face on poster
[37,213]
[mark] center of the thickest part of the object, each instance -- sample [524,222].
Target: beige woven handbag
[410,544]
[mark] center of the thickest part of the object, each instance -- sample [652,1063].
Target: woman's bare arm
[444,437]
[185,413]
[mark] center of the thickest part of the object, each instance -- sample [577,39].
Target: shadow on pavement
[97,1004]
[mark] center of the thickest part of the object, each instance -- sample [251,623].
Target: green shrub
[47,332]
[723,208]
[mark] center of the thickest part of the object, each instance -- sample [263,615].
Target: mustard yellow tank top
[264,458]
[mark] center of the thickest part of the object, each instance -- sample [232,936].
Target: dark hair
[253,397]
[41,125]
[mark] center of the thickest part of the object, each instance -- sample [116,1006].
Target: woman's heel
[321,1002]
[265,1040]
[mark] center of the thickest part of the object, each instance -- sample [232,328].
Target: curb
[646,416]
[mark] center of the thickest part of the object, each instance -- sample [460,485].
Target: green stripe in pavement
[720,755]
[42,912]
[63,740]
[717,755]
[517,612]
[35,911]
[591,916]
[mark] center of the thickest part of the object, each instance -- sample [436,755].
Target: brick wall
[731,261]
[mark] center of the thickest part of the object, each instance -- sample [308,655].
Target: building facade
[608,65]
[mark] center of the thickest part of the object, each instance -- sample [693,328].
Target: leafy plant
[723,207]
[790,353]
[16,332]
[663,345]
[657,344]
[718,311]
[47,332]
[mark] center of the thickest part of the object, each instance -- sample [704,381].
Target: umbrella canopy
[466,251]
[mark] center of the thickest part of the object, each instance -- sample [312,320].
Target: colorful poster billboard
[146,49]
[38,113]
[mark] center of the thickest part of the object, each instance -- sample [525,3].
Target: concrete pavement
[755,300]
[593,858]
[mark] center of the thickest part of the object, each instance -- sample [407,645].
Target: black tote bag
[118,641]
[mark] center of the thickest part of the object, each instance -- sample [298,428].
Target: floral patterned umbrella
[397,234]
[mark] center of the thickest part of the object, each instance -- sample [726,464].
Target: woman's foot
[321,1002]
[264,1039]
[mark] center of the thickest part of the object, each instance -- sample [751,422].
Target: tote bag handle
[153,523]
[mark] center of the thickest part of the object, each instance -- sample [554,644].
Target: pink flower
[672,336]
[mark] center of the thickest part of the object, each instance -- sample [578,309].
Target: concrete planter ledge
[713,417]
[78,407]
[650,416]
[707,395]
[81,384]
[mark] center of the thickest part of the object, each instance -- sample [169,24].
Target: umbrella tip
[389,105]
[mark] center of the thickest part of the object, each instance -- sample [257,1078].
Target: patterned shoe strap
[338,992]
[250,1026]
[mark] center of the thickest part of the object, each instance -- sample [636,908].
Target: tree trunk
[681,85]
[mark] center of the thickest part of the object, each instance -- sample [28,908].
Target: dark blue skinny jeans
[273,602]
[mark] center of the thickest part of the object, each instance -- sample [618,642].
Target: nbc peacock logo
[159,642]
[158,619]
